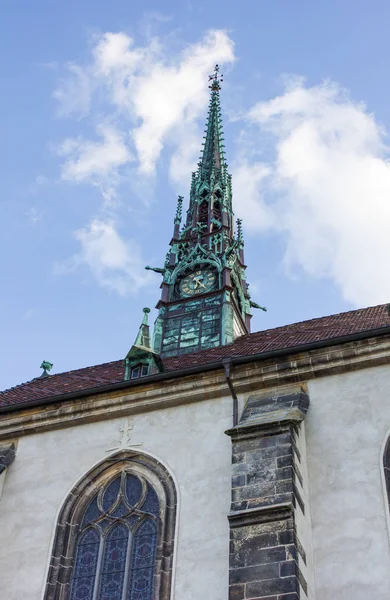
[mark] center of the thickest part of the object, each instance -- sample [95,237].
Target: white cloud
[327,190]
[156,95]
[155,98]
[115,263]
[172,98]
[74,92]
[96,162]
[249,183]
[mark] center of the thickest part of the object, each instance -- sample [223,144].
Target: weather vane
[46,366]
[216,80]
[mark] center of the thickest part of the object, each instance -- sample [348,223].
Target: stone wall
[265,550]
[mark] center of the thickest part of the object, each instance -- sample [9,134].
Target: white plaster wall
[189,440]
[346,424]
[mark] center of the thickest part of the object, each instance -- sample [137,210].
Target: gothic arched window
[114,531]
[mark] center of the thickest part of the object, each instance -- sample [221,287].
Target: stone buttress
[270,533]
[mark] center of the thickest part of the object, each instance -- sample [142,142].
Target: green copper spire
[212,165]
[205,299]
[143,336]
[141,360]
[210,206]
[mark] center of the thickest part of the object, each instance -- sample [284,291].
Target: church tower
[204,300]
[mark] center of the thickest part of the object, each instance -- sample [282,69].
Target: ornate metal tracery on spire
[205,300]
[216,79]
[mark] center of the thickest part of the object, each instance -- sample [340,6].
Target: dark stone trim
[386,467]
[264,546]
[301,550]
[7,456]
[61,564]
[261,514]
[248,432]
[297,496]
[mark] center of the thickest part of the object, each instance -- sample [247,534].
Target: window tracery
[117,528]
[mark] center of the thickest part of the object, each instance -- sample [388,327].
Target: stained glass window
[117,541]
[151,504]
[114,563]
[143,560]
[85,568]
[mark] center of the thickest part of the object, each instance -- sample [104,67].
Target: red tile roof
[289,336]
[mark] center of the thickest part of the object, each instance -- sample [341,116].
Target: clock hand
[199,283]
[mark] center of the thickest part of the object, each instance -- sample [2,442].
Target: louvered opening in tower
[203,213]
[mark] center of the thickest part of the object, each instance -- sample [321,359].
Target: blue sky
[102,113]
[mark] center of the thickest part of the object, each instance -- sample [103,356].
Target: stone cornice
[269,426]
[267,373]
[261,514]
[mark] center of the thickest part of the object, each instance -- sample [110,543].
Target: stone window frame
[58,583]
[385,460]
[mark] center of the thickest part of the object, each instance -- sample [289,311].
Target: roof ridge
[347,312]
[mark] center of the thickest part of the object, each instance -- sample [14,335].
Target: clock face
[198,282]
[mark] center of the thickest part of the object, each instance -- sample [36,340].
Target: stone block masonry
[265,551]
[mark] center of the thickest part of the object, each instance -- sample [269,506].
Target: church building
[211,463]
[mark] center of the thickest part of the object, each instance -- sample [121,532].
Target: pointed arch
[116,530]
[197,256]
[385,459]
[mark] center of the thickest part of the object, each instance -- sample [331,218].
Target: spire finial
[216,79]
[146,311]
[46,366]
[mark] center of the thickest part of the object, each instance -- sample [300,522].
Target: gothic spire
[205,300]
[212,164]
[141,360]
[143,336]
[210,193]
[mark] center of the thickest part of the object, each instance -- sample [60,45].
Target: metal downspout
[227,364]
